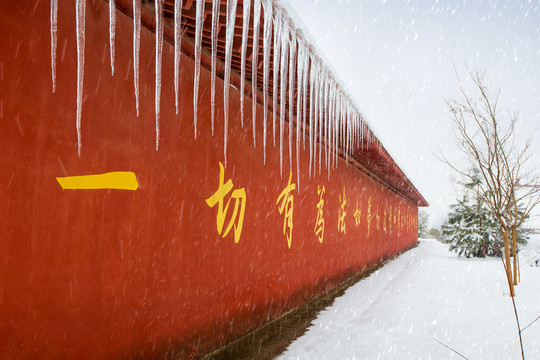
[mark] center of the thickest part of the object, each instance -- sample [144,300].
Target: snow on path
[427,293]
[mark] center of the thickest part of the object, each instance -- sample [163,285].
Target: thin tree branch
[448,347]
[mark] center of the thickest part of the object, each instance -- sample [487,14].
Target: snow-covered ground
[429,293]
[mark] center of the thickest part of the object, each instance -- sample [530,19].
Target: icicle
[329,131]
[81,15]
[353,135]
[348,132]
[136,48]
[325,120]
[305,71]
[334,124]
[342,125]
[277,48]
[177,48]
[321,114]
[344,136]
[266,64]
[299,90]
[338,117]
[245,29]
[283,87]
[215,24]
[292,71]
[159,55]
[112,27]
[54,41]
[330,126]
[231,17]
[316,123]
[311,110]
[199,23]
[254,60]
[361,133]
[336,127]
[356,131]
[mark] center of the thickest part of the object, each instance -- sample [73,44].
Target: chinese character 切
[319,223]
[342,213]
[357,215]
[286,207]
[239,196]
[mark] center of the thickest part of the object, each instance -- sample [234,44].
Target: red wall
[117,273]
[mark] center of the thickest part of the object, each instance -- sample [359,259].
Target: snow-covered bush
[471,230]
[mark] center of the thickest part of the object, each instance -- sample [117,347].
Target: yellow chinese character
[287,206]
[384,220]
[357,215]
[319,223]
[378,219]
[390,218]
[239,196]
[342,213]
[368,216]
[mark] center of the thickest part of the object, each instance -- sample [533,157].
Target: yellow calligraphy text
[384,220]
[319,223]
[357,215]
[286,207]
[342,213]
[378,219]
[239,196]
[368,216]
[120,180]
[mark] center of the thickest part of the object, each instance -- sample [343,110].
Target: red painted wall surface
[117,273]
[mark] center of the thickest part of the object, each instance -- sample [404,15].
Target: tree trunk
[508,263]
[514,253]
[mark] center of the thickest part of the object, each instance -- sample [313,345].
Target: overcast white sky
[394,58]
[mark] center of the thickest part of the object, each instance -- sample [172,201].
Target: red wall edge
[118,273]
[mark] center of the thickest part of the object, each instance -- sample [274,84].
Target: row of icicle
[330,118]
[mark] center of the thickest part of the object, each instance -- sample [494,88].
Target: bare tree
[487,139]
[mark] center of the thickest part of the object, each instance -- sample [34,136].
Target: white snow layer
[425,294]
